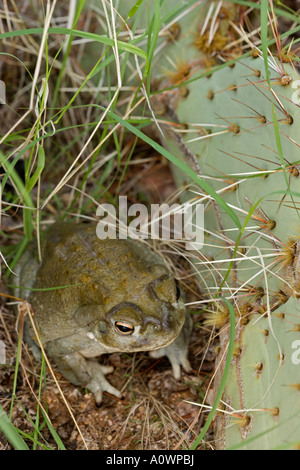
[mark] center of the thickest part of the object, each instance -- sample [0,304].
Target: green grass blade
[224,377]
[134,9]
[39,168]
[18,183]
[11,432]
[122,46]
[152,39]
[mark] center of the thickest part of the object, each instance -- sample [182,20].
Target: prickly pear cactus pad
[252,162]
[237,126]
[261,399]
[245,165]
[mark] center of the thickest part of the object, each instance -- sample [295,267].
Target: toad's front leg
[85,372]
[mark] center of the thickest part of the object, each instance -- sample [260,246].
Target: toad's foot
[99,384]
[87,373]
[176,356]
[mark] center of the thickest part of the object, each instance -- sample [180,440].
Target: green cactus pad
[242,136]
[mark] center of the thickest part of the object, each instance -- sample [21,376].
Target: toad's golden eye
[124,328]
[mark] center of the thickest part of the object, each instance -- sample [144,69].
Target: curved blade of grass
[11,432]
[19,249]
[122,46]
[66,55]
[134,9]
[34,438]
[224,377]
[55,436]
[152,38]
[39,168]
[17,181]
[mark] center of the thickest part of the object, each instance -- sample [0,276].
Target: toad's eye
[124,328]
